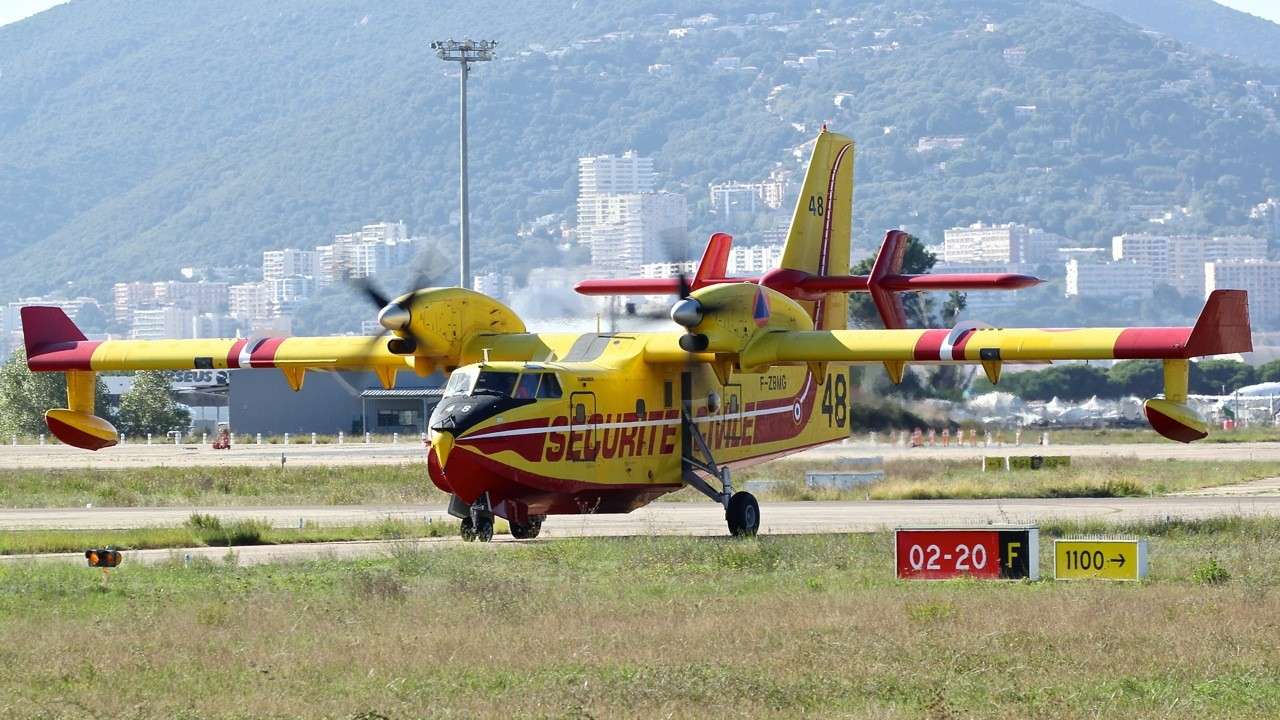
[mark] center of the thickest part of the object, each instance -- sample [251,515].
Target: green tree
[1143,378]
[26,395]
[149,408]
[920,307]
[1269,372]
[1221,377]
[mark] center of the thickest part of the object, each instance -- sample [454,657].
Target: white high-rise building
[284,293]
[278,264]
[614,175]
[494,284]
[602,177]
[1008,243]
[637,229]
[1261,278]
[249,301]
[384,232]
[126,297]
[1178,260]
[374,249]
[168,322]
[754,259]
[733,197]
[1113,280]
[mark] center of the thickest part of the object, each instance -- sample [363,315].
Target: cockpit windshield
[521,386]
[460,382]
[494,382]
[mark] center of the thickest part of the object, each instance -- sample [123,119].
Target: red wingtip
[47,326]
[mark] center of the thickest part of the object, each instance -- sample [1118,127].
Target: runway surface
[662,518]
[658,519]
[412,451]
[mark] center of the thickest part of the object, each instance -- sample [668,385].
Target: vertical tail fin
[818,241]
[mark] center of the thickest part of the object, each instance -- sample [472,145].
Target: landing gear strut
[741,511]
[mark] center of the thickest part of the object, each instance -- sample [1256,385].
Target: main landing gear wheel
[484,528]
[743,515]
[468,529]
[521,531]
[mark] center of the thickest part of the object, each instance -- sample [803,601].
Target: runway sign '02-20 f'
[993,552]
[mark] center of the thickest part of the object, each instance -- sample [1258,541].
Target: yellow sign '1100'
[1103,559]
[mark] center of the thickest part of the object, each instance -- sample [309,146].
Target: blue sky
[11,10]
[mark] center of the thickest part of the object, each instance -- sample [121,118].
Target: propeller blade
[367,288]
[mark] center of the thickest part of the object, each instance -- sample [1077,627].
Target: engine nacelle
[444,320]
[732,314]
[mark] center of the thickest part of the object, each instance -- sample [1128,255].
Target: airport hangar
[328,403]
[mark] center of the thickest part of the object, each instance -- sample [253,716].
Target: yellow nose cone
[442,443]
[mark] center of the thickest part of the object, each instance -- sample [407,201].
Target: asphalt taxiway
[661,518]
[411,450]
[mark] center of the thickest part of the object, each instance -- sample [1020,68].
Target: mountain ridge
[194,136]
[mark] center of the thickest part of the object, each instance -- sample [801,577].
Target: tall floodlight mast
[464,53]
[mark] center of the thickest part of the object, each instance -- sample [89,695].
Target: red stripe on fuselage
[64,356]
[264,353]
[957,350]
[1158,343]
[929,346]
[233,355]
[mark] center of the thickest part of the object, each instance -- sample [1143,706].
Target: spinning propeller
[393,316]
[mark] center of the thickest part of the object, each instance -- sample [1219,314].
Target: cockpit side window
[550,387]
[493,382]
[527,388]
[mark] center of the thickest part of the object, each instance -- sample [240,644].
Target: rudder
[818,241]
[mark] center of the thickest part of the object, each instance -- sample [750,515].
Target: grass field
[938,479]
[209,531]
[650,627]
[219,486]
[1114,436]
[408,484]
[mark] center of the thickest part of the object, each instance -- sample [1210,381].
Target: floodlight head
[465,50]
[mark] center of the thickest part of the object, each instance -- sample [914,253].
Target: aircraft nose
[442,443]
[394,317]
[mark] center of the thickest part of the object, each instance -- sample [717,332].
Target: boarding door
[582,426]
[732,417]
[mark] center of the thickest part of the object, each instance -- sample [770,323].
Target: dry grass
[408,484]
[1113,436]
[663,627]
[219,486]
[215,534]
[913,479]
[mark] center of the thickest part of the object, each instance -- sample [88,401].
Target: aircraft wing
[1223,327]
[53,342]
